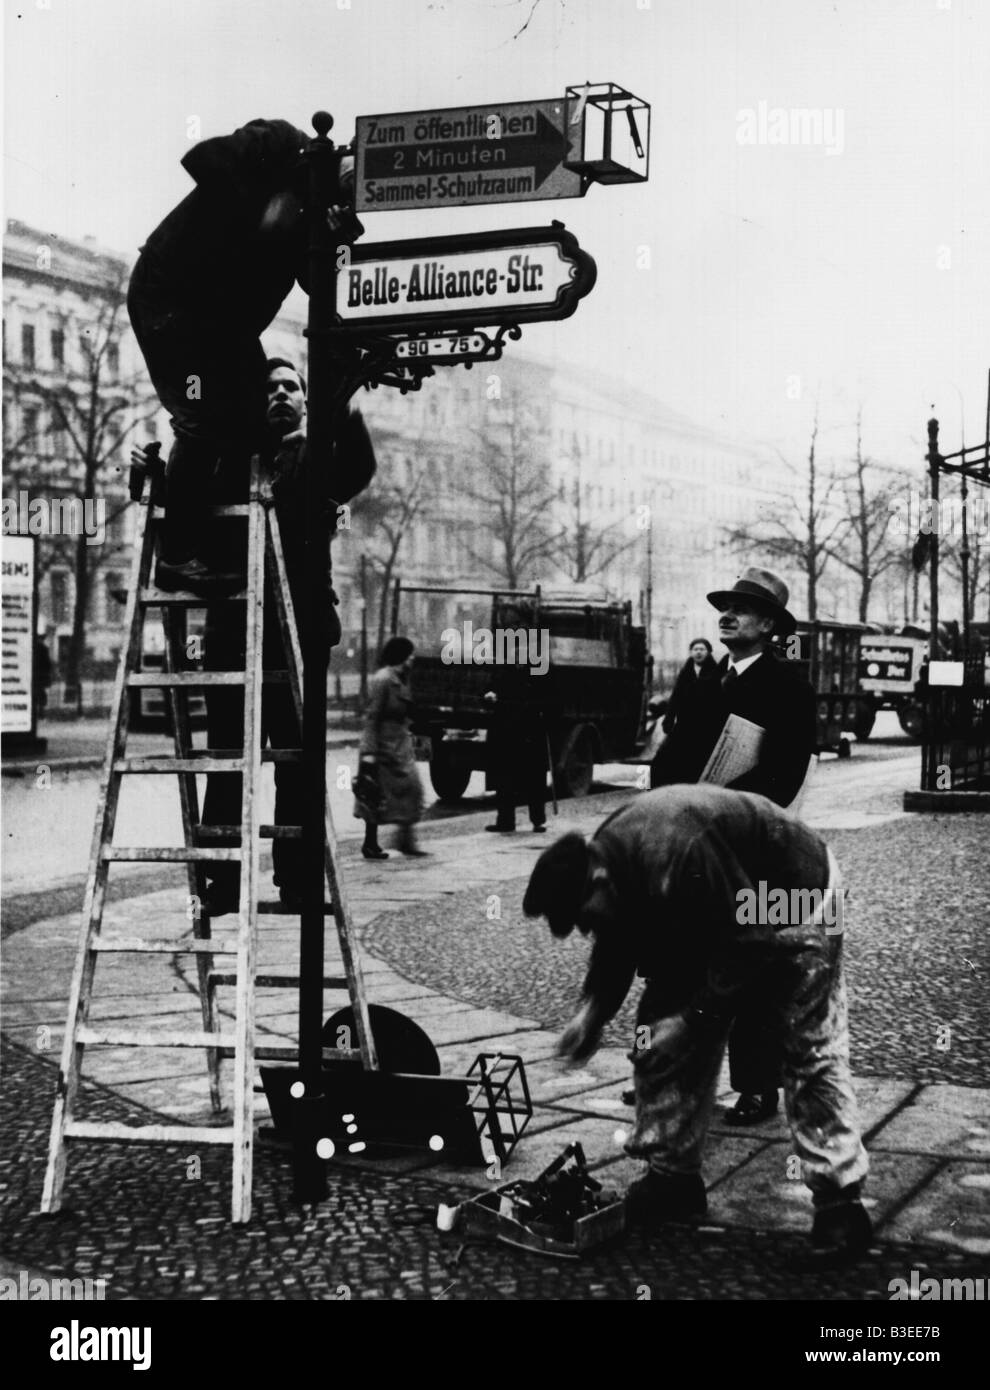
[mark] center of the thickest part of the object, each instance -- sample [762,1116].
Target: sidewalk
[929,1143]
[82,743]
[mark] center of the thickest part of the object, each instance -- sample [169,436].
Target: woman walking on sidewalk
[388,789]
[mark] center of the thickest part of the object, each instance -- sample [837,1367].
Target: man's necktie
[729,680]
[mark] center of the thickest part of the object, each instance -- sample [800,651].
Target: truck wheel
[866,717]
[575,770]
[911,719]
[845,748]
[449,778]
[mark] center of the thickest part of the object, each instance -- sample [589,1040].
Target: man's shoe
[196,578]
[539,829]
[841,1233]
[376,853]
[752,1109]
[658,1198]
[501,829]
[629,1097]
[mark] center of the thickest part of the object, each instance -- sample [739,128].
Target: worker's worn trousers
[677,1068]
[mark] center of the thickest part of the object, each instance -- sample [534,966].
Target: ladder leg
[345,929]
[250,828]
[176,633]
[80,989]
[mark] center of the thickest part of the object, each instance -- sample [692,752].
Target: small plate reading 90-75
[447,346]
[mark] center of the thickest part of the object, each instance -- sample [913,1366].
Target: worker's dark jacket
[769,693]
[211,254]
[677,859]
[350,472]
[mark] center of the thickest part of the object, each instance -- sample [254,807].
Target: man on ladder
[224,646]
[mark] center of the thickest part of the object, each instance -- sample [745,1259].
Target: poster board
[17,558]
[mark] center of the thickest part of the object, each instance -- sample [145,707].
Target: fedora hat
[766,591]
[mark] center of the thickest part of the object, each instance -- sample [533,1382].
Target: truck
[889,667]
[577,659]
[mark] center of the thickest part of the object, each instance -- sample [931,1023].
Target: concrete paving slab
[878,1098]
[950,1120]
[553,1080]
[460,1023]
[531,1045]
[759,1195]
[953,1210]
[541,1144]
[722,1157]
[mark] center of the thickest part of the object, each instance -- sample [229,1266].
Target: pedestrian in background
[700,665]
[388,790]
[517,749]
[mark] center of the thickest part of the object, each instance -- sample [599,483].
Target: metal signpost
[384,314]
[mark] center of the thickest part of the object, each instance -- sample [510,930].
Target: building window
[58,347]
[30,419]
[113,359]
[27,344]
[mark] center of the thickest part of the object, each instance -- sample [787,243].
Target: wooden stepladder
[264,544]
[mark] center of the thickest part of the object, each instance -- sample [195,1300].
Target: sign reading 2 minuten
[480,278]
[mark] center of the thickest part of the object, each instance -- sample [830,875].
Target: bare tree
[863,542]
[798,530]
[514,493]
[585,548]
[384,515]
[89,415]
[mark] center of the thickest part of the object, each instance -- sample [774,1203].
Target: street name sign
[509,277]
[463,156]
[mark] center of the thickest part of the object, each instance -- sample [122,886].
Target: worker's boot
[659,1198]
[842,1230]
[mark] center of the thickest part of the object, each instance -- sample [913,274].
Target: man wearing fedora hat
[659,887]
[755,684]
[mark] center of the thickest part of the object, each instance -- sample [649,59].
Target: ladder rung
[267,832]
[227,509]
[178,854]
[179,765]
[180,678]
[218,977]
[156,597]
[149,1134]
[171,679]
[289,1052]
[277,909]
[153,946]
[129,1037]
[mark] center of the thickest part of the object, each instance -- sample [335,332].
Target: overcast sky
[861,267]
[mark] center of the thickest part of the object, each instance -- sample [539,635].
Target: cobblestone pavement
[153,1222]
[917,957]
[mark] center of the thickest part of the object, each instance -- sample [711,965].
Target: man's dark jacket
[770,693]
[211,255]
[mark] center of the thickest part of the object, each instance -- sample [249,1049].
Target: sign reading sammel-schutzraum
[511,277]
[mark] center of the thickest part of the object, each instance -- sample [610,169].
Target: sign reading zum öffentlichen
[463,156]
[481,278]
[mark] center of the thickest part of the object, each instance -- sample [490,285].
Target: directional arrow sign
[464,155]
[481,278]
